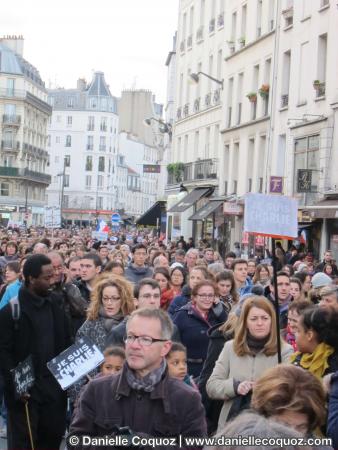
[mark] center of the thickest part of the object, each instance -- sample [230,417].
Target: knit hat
[320,279]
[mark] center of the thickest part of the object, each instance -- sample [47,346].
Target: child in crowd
[114,358]
[177,364]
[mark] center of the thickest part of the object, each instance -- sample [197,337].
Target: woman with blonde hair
[244,358]
[111,301]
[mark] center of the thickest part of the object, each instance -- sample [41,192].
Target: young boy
[177,364]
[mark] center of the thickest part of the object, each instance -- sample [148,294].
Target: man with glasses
[141,400]
[147,294]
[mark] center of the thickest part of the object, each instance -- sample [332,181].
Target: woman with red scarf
[161,275]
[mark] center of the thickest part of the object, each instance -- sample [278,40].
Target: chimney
[15,43]
[81,84]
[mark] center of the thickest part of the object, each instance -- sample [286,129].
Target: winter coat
[117,334]
[213,408]
[4,260]
[246,289]
[193,329]
[179,301]
[136,274]
[12,290]
[83,288]
[95,331]
[41,331]
[230,368]
[172,408]
[332,420]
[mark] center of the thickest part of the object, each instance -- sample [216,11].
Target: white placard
[100,235]
[271,215]
[52,216]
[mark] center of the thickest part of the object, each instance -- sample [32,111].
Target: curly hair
[125,291]
[290,388]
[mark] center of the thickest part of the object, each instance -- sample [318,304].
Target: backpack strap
[15,307]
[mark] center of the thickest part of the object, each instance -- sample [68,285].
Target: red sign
[245,238]
[259,241]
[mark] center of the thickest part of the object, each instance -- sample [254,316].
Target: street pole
[26,205]
[62,188]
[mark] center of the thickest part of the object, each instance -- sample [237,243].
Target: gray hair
[252,425]
[192,250]
[328,290]
[167,326]
[216,267]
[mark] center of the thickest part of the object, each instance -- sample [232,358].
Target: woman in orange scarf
[161,275]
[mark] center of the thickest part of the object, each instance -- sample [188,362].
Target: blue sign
[115,218]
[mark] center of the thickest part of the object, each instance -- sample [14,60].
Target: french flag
[102,226]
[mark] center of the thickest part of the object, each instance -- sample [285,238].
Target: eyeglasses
[206,296]
[111,299]
[145,341]
[149,296]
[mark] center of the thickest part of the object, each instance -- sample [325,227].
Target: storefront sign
[304,180]
[151,168]
[276,185]
[259,241]
[304,216]
[245,238]
[231,208]
[7,208]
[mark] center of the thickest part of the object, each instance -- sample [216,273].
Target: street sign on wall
[276,185]
[304,180]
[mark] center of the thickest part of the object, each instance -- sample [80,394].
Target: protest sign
[75,362]
[271,215]
[100,235]
[23,377]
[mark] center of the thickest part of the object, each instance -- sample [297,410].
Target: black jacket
[217,339]
[171,409]
[41,331]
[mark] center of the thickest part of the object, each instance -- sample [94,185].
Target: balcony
[25,173]
[199,34]
[205,169]
[12,146]
[90,146]
[284,101]
[11,120]
[186,110]
[320,89]
[103,128]
[207,100]
[197,104]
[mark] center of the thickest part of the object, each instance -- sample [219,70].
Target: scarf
[147,383]
[256,345]
[110,321]
[166,298]
[315,362]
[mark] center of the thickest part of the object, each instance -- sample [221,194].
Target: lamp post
[164,127]
[195,78]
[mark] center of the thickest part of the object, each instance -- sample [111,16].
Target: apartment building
[83,145]
[193,169]
[24,113]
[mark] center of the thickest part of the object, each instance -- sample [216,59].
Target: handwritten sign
[271,215]
[23,376]
[75,362]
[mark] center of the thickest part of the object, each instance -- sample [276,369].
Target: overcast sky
[128,40]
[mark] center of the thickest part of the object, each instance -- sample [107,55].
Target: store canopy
[190,199]
[206,210]
[152,217]
[325,209]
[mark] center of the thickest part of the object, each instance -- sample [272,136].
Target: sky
[128,40]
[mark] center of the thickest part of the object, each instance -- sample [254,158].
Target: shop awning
[152,217]
[325,209]
[190,199]
[206,210]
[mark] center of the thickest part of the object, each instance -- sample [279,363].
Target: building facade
[23,134]
[83,145]
[198,111]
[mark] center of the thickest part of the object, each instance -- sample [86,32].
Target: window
[250,158]
[100,182]
[93,102]
[91,123]
[304,63]
[66,180]
[70,102]
[67,161]
[68,140]
[69,120]
[101,164]
[90,142]
[99,203]
[102,143]
[259,18]
[57,139]
[230,91]
[65,202]
[103,125]
[89,163]
[321,65]
[88,181]
[307,157]
[48,140]
[58,119]
[10,87]
[239,97]
[286,79]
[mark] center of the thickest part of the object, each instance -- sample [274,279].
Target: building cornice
[251,44]
[245,125]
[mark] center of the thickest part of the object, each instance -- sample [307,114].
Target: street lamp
[164,127]
[195,78]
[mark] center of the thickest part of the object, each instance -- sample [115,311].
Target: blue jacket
[332,420]
[11,291]
[193,329]
[246,289]
[179,301]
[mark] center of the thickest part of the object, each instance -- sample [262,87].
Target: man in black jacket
[41,331]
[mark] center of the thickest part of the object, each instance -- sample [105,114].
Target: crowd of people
[189,338]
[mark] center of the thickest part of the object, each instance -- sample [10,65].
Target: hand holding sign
[23,378]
